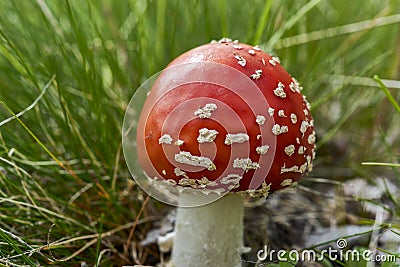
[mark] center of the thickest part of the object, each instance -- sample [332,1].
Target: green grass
[69,68]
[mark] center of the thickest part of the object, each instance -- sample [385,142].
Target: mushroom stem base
[210,235]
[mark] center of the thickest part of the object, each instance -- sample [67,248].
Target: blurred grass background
[67,72]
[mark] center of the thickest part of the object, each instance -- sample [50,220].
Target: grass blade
[291,22]
[387,93]
[12,240]
[31,106]
[336,31]
[262,22]
[43,146]
[384,164]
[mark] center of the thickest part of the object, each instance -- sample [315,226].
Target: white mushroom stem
[210,235]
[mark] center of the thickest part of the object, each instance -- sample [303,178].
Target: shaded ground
[314,214]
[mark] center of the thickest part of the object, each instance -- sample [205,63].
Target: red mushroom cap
[226,117]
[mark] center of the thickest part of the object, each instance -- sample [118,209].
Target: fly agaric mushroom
[222,121]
